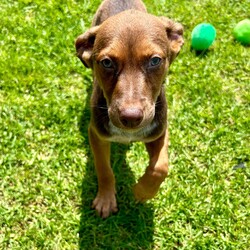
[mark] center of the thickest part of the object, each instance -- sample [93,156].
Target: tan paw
[143,193]
[105,204]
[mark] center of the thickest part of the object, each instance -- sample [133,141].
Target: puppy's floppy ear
[84,46]
[175,35]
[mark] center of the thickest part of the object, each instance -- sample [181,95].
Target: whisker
[99,107]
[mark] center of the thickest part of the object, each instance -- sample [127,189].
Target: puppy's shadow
[132,227]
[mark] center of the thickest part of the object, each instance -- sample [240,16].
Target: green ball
[202,37]
[241,31]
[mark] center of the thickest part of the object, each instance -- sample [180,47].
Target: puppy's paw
[143,193]
[105,204]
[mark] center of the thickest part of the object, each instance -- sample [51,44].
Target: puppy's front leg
[156,172]
[105,201]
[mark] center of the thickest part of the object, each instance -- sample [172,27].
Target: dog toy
[241,32]
[202,36]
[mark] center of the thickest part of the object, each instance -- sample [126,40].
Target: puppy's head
[130,54]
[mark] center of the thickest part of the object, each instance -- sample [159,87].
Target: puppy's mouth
[126,135]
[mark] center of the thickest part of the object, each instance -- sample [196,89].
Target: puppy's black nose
[131,117]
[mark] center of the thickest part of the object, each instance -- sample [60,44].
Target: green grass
[47,178]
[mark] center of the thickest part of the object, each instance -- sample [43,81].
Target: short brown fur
[129,52]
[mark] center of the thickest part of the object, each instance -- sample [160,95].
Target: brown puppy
[129,52]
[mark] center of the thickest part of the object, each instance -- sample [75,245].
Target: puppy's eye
[107,63]
[154,61]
